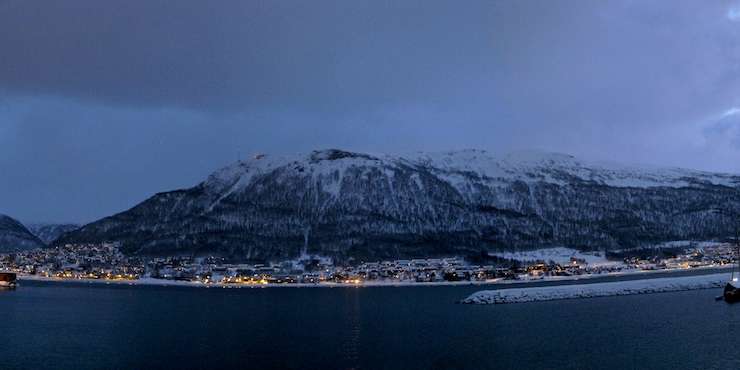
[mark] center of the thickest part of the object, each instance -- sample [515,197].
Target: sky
[103,104]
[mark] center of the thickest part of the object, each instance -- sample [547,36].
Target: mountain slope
[15,237]
[50,232]
[364,206]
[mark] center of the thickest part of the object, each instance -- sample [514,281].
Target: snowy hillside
[359,205]
[50,232]
[15,237]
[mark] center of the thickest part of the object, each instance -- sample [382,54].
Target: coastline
[496,284]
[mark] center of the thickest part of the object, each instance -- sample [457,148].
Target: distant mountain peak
[15,237]
[48,232]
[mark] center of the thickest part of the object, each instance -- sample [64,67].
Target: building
[7,280]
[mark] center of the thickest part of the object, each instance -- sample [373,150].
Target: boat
[7,280]
[732,291]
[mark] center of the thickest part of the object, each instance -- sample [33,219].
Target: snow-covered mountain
[49,232]
[355,205]
[15,237]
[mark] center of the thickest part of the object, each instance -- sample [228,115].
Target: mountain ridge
[355,205]
[15,237]
[48,232]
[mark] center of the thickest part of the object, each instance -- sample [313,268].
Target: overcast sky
[103,103]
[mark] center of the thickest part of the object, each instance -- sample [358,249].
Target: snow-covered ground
[535,294]
[330,166]
[560,255]
[675,244]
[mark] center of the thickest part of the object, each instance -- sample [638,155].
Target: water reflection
[351,342]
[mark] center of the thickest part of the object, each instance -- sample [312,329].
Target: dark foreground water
[66,326]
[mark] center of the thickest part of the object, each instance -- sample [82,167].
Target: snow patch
[550,293]
[558,255]
[464,169]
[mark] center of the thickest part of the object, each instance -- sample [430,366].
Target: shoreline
[497,284]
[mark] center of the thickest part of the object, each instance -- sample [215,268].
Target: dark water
[65,326]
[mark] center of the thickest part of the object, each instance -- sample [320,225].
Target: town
[105,262]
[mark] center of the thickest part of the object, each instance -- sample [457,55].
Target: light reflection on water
[351,344]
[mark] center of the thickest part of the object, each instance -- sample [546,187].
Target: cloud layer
[104,103]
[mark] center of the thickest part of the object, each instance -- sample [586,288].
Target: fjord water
[95,326]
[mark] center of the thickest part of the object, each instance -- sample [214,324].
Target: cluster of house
[314,270]
[105,261]
[88,261]
[718,254]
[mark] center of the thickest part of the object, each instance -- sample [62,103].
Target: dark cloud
[236,54]
[104,103]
